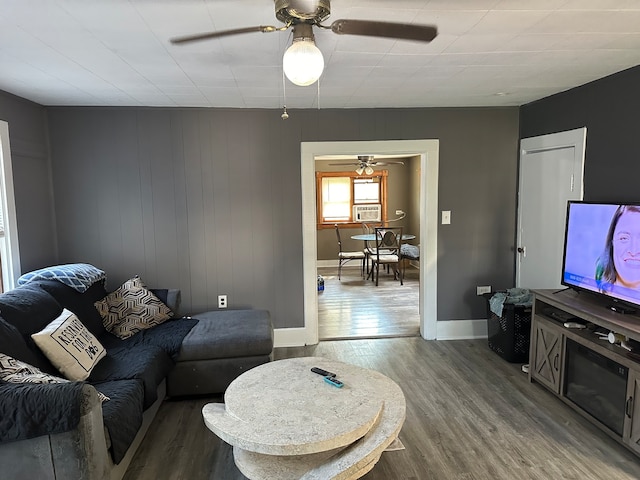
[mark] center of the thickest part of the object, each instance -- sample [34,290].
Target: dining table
[371,237]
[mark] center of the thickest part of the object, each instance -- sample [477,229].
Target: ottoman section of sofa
[223,345]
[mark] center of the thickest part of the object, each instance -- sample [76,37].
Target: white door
[551,171]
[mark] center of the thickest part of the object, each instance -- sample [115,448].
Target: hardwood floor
[354,307]
[470,416]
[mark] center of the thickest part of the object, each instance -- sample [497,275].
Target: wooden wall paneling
[266,252]
[238,171]
[289,279]
[114,140]
[220,231]
[183,271]
[195,210]
[159,152]
[209,158]
[123,154]
[75,189]
[151,136]
[31,169]
[240,207]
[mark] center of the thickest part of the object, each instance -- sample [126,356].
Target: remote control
[322,372]
[333,381]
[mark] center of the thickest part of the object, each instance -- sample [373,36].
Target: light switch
[446,217]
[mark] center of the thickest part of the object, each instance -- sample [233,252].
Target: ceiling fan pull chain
[284,115]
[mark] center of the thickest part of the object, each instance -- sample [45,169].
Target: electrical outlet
[483,289]
[446,217]
[222,301]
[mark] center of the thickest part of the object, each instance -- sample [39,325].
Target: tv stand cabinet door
[632,412]
[546,361]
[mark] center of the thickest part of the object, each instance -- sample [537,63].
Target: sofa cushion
[224,334]
[12,343]
[147,363]
[28,410]
[70,346]
[168,336]
[82,304]
[122,415]
[28,308]
[131,308]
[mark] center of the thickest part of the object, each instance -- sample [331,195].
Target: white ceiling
[487,53]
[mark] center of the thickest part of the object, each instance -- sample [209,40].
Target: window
[338,192]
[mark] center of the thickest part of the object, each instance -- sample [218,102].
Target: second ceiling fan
[303,62]
[365,164]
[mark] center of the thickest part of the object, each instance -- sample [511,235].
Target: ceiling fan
[303,62]
[365,163]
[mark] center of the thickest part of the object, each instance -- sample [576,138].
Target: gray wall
[609,109]
[209,201]
[31,179]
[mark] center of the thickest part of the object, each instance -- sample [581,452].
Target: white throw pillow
[70,346]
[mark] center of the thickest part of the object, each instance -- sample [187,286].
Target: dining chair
[388,241]
[368,249]
[345,257]
[370,246]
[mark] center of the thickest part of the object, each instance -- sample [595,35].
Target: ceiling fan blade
[224,33]
[370,28]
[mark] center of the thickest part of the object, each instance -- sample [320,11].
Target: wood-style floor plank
[470,416]
[353,307]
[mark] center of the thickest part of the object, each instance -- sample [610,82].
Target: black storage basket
[509,334]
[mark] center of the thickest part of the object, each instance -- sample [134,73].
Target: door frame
[428,151]
[575,139]
[9,249]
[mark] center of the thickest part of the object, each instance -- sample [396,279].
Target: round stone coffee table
[286,422]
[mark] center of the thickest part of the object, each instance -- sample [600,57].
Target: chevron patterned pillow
[16,371]
[132,308]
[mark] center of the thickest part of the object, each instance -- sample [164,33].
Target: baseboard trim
[461,329]
[446,330]
[328,263]
[289,337]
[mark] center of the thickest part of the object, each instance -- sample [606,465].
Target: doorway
[352,306]
[551,173]
[427,150]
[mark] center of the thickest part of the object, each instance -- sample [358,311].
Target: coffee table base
[303,428]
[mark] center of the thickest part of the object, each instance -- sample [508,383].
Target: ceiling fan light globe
[368,170]
[303,62]
[359,170]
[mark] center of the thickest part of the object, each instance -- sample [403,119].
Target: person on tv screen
[619,264]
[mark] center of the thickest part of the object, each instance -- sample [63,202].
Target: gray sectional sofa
[63,430]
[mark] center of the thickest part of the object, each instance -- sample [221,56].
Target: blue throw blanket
[79,276]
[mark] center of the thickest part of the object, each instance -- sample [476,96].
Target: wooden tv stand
[547,354]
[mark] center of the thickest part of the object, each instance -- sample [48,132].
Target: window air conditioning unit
[367,213]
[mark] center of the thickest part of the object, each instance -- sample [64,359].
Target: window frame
[382,174]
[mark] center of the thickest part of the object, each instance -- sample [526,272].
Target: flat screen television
[602,251]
